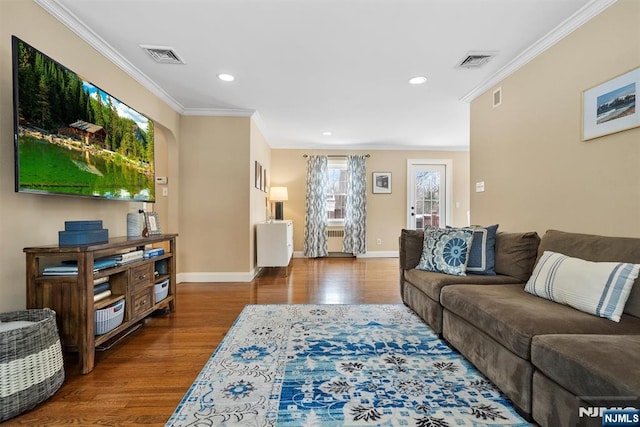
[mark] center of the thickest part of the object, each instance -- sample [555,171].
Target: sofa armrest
[411,242]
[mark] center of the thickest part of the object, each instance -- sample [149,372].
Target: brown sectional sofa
[515,256]
[544,356]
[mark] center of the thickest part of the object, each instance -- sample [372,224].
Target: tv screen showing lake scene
[73,138]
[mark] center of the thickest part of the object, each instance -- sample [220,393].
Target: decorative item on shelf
[134,224]
[279,195]
[152,224]
[78,233]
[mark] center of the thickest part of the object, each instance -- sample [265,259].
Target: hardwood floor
[142,379]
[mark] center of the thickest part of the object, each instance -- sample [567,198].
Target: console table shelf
[72,296]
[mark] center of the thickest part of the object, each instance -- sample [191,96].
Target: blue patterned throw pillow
[482,255]
[446,250]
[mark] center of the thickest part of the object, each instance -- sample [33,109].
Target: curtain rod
[336,155]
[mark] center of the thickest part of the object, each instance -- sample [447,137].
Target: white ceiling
[304,67]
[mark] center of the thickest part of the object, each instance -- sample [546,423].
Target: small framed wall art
[151,223]
[258,175]
[611,106]
[265,180]
[382,182]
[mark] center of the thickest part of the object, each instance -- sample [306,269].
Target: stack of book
[68,268]
[101,289]
[150,253]
[80,233]
[128,257]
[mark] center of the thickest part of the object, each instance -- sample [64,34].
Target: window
[337,194]
[427,199]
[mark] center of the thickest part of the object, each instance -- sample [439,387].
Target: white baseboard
[216,277]
[369,254]
[249,276]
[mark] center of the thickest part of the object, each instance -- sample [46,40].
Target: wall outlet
[378,241]
[479,187]
[165,191]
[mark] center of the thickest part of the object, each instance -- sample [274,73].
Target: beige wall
[386,213]
[31,220]
[260,152]
[219,204]
[214,197]
[538,173]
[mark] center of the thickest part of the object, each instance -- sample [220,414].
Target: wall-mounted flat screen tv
[73,138]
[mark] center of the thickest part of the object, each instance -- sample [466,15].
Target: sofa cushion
[411,242]
[513,317]
[590,365]
[446,250]
[482,255]
[431,282]
[516,254]
[598,288]
[599,249]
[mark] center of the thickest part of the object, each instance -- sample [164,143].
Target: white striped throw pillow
[598,288]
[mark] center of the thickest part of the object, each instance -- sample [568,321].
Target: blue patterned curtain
[355,212]
[315,227]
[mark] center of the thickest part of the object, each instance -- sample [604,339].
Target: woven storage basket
[31,365]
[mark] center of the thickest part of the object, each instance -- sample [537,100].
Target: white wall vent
[163,55]
[475,59]
[497,97]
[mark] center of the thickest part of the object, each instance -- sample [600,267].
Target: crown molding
[568,26]
[262,127]
[222,112]
[66,17]
[371,147]
[62,14]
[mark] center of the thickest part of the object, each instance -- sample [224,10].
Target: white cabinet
[274,243]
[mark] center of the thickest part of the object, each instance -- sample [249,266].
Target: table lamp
[278,195]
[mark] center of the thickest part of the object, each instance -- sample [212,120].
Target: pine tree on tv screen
[74,138]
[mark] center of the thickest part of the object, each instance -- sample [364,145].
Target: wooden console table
[72,296]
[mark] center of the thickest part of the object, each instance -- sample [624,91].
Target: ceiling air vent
[475,60]
[163,55]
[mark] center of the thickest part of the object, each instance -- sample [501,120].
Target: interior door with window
[428,193]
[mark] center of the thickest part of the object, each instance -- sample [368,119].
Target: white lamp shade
[278,194]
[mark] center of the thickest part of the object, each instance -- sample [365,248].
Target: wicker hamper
[31,365]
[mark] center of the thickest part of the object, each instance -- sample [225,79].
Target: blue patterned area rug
[339,365]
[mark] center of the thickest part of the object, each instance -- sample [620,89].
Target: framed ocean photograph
[611,106]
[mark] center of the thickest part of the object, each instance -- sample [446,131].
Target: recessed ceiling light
[327,133]
[226,77]
[418,80]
